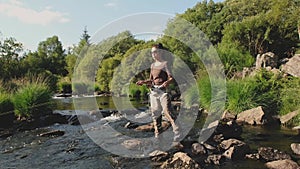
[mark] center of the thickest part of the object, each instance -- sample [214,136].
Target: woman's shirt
[159,73]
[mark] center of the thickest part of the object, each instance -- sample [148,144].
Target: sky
[33,21]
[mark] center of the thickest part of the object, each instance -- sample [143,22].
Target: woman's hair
[167,56]
[158,46]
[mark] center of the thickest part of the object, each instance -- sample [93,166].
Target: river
[76,150]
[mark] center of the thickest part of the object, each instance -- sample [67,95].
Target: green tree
[52,56]
[98,61]
[106,71]
[135,65]
[206,16]
[261,26]
[75,52]
[10,51]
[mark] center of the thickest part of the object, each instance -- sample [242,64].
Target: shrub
[289,95]
[290,100]
[65,87]
[202,93]
[234,58]
[97,88]
[191,96]
[138,91]
[44,78]
[31,100]
[205,92]
[81,88]
[6,105]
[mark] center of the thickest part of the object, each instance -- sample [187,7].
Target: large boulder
[234,149]
[253,116]
[289,116]
[270,154]
[292,66]
[181,160]
[198,148]
[282,164]
[295,148]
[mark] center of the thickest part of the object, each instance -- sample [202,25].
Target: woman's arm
[147,82]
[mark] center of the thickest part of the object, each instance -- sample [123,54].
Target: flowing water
[76,150]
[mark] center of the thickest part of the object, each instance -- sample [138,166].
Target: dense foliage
[237,29]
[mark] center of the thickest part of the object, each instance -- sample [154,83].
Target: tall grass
[290,98]
[290,95]
[240,95]
[263,89]
[6,104]
[27,97]
[260,90]
[209,92]
[32,99]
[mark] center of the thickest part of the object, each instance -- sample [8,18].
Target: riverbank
[73,148]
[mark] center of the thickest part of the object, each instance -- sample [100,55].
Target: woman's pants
[161,102]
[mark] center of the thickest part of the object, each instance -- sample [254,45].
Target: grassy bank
[28,98]
[276,93]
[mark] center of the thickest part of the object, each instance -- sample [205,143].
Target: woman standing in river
[160,78]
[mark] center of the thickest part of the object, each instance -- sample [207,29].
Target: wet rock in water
[180,160]
[297,128]
[227,116]
[80,119]
[253,156]
[73,120]
[54,118]
[270,154]
[146,127]
[127,163]
[198,149]
[215,159]
[222,130]
[295,148]
[5,133]
[234,149]
[228,130]
[130,125]
[150,127]
[158,156]
[132,144]
[226,144]
[54,133]
[209,147]
[282,164]
[285,118]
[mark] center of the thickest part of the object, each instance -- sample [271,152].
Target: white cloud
[16,2]
[110,4]
[16,9]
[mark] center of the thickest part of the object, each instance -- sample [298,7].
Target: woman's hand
[140,82]
[165,84]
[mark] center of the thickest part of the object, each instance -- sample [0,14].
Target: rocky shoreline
[225,144]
